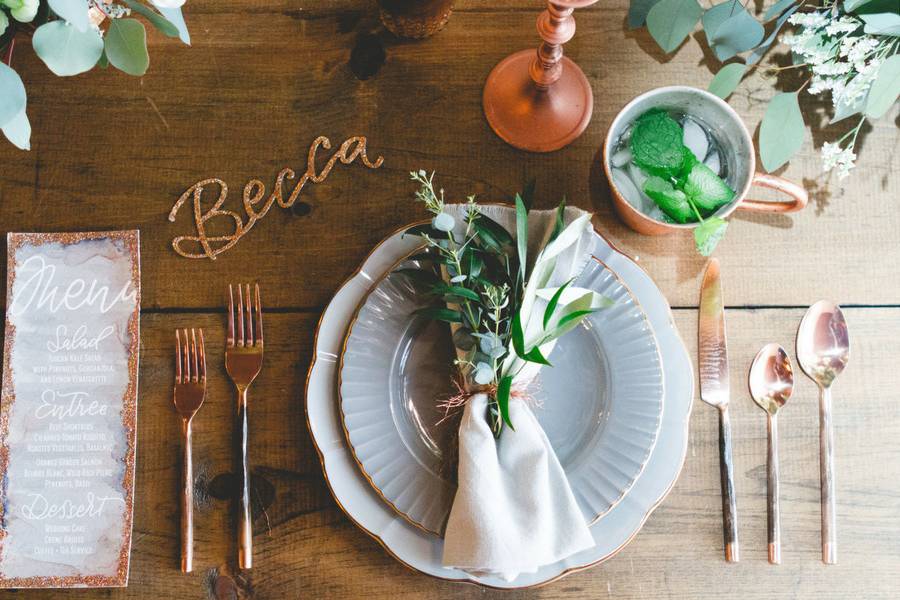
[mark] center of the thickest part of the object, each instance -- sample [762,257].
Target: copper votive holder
[541,101]
[415,19]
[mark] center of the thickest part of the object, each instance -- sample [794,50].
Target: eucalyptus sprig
[487,289]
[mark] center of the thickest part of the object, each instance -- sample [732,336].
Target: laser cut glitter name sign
[67,424]
[255,202]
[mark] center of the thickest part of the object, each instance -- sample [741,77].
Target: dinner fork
[190,390]
[243,361]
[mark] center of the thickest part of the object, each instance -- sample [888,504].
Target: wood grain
[260,82]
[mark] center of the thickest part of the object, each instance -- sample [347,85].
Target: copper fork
[190,390]
[243,361]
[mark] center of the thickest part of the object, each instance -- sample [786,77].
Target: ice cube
[695,138]
[637,175]
[627,188]
[621,158]
[713,162]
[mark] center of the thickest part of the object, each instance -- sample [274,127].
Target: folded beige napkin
[514,510]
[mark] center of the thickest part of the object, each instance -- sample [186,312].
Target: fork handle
[729,504]
[245,525]
[187,502]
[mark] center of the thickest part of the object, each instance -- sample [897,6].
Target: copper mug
[734,141]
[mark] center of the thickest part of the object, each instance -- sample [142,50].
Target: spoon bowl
[823,342]
[771,378]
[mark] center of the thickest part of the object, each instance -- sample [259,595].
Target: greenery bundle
[73,36]
[849,49]
[502,313]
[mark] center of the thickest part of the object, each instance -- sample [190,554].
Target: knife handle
[729,504]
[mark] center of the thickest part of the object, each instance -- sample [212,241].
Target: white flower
[842,25]
[167,3]
[833,156]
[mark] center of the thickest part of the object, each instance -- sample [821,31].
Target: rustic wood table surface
[259,83]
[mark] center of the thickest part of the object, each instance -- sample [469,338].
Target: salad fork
[243,361]
[190,390]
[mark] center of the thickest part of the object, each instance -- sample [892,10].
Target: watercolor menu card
[69,408]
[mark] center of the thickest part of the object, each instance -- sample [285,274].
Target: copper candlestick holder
[541,101]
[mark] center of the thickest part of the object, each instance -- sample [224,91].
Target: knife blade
[715,390]
[714,384]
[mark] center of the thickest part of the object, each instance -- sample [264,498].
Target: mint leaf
[708,234]
[672,202]
[707,189]
[656,144]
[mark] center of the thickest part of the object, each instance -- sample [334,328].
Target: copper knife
[714,390]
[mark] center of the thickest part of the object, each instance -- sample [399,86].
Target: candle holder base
[534,119]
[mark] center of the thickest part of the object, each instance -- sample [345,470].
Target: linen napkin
[514,510]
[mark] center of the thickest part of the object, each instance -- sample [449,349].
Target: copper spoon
[771,384]
[823,349]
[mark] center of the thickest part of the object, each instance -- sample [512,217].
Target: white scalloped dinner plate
[602,417]
[421,550]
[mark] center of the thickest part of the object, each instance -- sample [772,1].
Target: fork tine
[240,316]
[249,317]
[194,357]
[259,328]
[177,356]
[186,352]
[202,358]
[230,340]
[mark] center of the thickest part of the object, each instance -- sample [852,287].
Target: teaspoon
[823,349]
[771,384]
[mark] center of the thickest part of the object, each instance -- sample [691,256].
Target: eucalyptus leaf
[781,6]
[4,22]
[126,46]
[886,23]
[66,50]
[845,107]
[885,89]
[103,62]
[18,131]
[159,21]
[177,19]
[637,12]
[760,50]
[739,32]
[717,14]
[12,94]
[781,132]
[73,11]
[671,21]
[727,79]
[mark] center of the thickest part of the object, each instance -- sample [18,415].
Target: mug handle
[799,196]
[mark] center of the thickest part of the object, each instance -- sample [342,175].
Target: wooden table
[260,82]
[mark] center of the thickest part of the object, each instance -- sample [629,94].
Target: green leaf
[554,301]
[575,316]
[560,222]
[177,19]
[159,21]
[781,132]
[672,202]
[518,336]
[671,21]
[886,23]
[126,46]
[656,144]
[18,131]
[708,234]
[12,94]
[707,189]
[738,32]
[760,50]
[727,79]
[781,6]
[486,237]
[103,61]
[521,235]
[455,290]
[845,107]
[497,230]
[65,49]
[637,12]
[534,355]
[73,11]
[440,314]
[423,230]
[421,276]
[885,89]
[503,391]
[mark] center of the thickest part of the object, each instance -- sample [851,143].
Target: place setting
[501,390]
